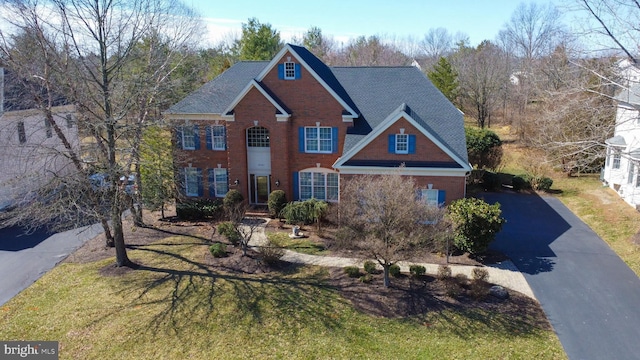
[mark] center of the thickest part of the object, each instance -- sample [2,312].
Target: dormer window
[289,71]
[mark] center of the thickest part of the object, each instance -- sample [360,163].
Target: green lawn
[176,307]
[302,245]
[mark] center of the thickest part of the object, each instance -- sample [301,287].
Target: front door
[258,164]
[259,188]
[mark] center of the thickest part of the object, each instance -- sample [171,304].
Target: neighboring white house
[622,165]
[30,152]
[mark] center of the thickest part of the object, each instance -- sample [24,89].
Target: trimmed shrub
[475,224]
[479,274]
[304,212]
[271,253]
[199,209]
[366,278]
[491,181]
[542,183]
[417,270]
[218,250]
[370,267]
[229,231]
[352,271]
[394,270]
[521,182]
[277,201]
[232,199]
[444,272]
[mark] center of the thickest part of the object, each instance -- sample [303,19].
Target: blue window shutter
[179,137]
[298,73]
[224,131]
[207,129]
[418,194]
[196,137]
[296,187]
[441,197]
[212,183]
[392,144]
[281,71]
[301,139]
[412,144]
[334,140]
[200,182]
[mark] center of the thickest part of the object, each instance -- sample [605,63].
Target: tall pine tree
[445,78]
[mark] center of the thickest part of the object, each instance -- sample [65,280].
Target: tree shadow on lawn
[294,294]
[197,293]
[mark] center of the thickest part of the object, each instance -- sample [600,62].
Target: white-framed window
[318,139]
[191,181]
[220,182]
[319,185]
[218,137]
[258,136]
[188,138]
[430,196]
[630,177]
[615,162]
[289,70]
[402,143]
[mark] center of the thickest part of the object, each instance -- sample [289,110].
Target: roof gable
[402,112]
[378,91]
[281,111]
[321,72]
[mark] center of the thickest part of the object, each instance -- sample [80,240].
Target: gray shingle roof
[214,96]
[373,92]
[379,91]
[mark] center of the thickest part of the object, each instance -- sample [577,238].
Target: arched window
[258,136]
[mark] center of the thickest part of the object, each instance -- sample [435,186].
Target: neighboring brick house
[295,124]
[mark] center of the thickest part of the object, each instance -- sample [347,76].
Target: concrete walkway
[504,274]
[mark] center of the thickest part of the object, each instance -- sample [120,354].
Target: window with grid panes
[258,137]
[402,143]
[289,70]
[318,139]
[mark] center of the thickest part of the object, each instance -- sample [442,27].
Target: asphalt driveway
[589,294]
[26,257]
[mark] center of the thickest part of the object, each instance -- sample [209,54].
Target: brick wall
[378,149]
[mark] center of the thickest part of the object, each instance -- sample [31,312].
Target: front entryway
[258,164]
[259,188]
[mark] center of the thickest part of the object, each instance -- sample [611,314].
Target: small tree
[382,217]
[484,148]
[236,209]
[475,224]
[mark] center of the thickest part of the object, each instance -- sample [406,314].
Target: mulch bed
[406,297]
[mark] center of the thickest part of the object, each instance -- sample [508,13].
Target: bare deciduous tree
[482,79]
[382,217]
[112,60]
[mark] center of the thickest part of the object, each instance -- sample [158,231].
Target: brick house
[296,124]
